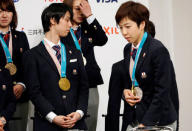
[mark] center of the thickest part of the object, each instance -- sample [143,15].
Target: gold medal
[11,67]
[64,84]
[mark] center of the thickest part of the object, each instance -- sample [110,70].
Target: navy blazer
[7,98]
[91,35]
[158,106]
[20,45]
[42,80]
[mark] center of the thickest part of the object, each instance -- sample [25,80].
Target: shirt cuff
[20,83]
[80,112]
[90,19]
[50,116]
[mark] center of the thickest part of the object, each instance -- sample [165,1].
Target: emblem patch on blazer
[144,54]
[90,40]
[21,50]
[4,87]
[74,72]
[143,75]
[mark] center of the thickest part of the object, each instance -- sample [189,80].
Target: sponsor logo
[53,0]
[106,1]
[111,30]
[15,1]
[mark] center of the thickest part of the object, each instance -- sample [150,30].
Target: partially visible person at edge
[89,34]
[56,77]
[154,99]
[12,46]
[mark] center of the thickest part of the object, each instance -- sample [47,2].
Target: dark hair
[54,11]
[134,11]
[151,29]
[8,5]
[69,2]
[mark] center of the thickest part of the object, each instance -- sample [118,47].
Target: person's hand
[75,116]
[130,98]
[141,125]
[18,90]
[62,121]
[85,8]
[1,128]
[2,124]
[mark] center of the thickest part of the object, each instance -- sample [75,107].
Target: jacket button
[64,96]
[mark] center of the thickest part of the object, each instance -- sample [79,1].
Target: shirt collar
[51,44]
[75,28]
[136,47]
[1,32]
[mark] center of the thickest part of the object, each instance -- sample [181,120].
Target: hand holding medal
[135,89]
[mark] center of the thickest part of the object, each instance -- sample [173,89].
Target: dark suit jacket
[91,35]
[20,45]
[7,98]
[158,106]
[42,79]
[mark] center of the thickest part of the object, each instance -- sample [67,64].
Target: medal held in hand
[136,90]
[64,84]
[11,67]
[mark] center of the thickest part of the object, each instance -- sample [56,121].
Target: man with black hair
[56,76]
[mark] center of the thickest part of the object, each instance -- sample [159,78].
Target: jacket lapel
[127,52]
[143,53]
[15,42]
[43,52]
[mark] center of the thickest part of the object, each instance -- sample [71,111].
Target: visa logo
[15,0]
[54,1]
[106,1]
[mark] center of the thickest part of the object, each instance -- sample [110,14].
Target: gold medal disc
[64,84]
[11,67]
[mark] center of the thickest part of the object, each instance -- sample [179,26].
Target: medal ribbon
[6,50]
[134,81]
[75,40]
[63,61]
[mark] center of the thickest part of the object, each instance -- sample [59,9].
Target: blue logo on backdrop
[15,0]
[106,1]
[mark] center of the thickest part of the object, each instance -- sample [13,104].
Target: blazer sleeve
[10,104]
[33,84]
[83,88]
[98,34]
[114,103]
[162,84]
[25,46]
[174,94]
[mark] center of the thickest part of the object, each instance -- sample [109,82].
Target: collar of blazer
[142,56]
[44,53]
